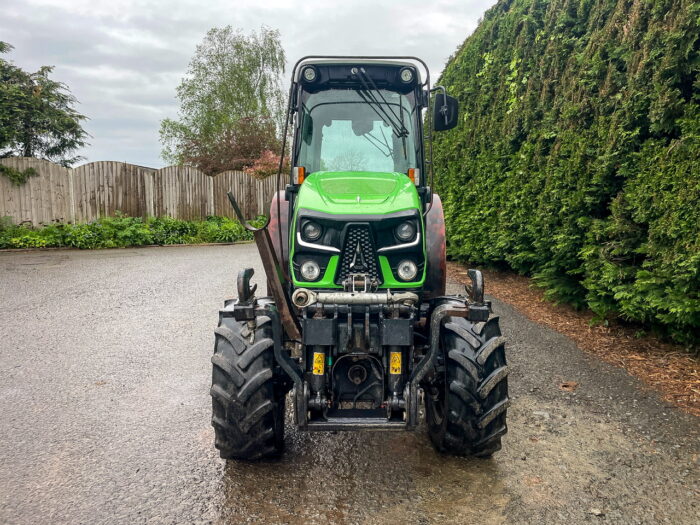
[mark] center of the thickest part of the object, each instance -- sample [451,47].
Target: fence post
[210,195]
[71,195]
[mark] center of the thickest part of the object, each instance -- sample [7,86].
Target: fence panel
[41,199]
[99,189]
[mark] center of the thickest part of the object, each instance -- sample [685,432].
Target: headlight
[406,75]
[405,231]
[311,231]
[407,270]
[310,270]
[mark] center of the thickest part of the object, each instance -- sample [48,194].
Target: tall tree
[37,115]
[231,102]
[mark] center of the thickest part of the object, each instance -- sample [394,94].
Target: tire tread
[476,397]
[246,407]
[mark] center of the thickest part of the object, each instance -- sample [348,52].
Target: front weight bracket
[478,309]
[244,307]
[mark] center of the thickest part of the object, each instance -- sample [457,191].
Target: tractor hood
[357,192]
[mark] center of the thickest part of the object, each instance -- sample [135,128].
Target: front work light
[406,75]
[310,270]
[309,74]
[407,270]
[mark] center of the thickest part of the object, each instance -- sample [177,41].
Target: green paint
[338,192]
[351,186]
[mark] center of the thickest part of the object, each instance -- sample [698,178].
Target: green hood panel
[337,192]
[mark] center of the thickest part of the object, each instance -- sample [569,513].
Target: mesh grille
[358,260]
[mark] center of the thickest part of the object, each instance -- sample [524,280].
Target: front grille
[358,255]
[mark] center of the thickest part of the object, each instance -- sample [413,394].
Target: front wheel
[247,405]
[465,405]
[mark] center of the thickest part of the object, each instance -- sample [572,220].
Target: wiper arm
[397,122]
[373,103]
[366,78]
[368,96]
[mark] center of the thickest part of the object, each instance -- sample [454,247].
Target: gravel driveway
[104,379]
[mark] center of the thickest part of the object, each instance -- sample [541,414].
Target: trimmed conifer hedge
[577,156]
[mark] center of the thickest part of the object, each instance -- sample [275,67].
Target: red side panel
[280,221]
[436,250]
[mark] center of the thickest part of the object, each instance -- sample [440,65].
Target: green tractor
[356,323]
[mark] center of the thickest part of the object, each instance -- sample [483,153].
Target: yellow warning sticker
[395,363]
[319,362]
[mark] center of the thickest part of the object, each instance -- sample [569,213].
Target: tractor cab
[358,192]
[359,117]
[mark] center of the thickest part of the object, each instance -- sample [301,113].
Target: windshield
[340,131]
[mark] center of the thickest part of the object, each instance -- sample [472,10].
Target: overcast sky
[123,59]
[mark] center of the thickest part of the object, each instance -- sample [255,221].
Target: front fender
[436,251]
[279,223]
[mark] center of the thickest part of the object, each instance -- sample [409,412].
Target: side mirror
[445,112]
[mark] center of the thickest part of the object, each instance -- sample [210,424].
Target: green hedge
[577,157]
[122,231]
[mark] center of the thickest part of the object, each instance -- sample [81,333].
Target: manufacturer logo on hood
[358,263]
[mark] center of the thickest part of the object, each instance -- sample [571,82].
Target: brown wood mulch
[665,367]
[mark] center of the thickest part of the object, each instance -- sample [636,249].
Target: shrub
[577,156]
[121,231]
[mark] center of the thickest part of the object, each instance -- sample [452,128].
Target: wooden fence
[100,189]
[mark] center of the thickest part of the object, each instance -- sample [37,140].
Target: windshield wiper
[389,117]
[398,128]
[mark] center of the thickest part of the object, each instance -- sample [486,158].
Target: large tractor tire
[247,405]
[465,406]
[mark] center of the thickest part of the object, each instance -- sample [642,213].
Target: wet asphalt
[104,406]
